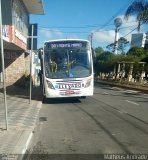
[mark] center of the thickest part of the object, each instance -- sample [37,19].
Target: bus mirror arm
[93,52]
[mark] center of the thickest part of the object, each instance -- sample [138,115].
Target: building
[138,40]
[15,21]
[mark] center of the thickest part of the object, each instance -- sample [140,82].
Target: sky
[80,18]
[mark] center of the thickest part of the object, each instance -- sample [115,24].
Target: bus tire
[44,98]
[83,97]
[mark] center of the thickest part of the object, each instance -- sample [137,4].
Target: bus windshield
[67,59]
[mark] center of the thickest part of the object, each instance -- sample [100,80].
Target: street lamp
[117,23]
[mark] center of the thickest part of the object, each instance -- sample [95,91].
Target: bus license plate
[69,92]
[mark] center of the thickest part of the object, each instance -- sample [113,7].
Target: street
[113,121]
[90,60]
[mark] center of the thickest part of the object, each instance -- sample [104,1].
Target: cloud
[103,36]
[128,27]
[73,36]
[51,33]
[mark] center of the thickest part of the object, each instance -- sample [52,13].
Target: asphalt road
[113,121]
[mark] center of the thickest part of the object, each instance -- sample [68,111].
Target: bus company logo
[71,85]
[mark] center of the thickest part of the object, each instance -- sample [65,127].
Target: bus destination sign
[63,45]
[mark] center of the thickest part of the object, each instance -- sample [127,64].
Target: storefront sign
[19,39]
[6,33]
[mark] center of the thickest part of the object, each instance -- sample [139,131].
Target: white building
[138,39]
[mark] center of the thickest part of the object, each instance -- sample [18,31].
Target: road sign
[35,29]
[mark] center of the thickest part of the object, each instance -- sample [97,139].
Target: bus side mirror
[93,53]
[40,54]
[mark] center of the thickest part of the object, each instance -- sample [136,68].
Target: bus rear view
[67,68]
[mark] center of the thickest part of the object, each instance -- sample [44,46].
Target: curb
[24,151]
[22,155]
[27,143]
[127,86]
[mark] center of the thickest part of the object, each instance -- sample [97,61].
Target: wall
[15,28]
[15,62]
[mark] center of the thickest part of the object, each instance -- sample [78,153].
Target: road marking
[132,102]
[105,93]
[132,91]
[145,95]
[117,88]
[120,111]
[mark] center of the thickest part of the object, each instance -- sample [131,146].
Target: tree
[140,9]
[137,52]
[98,51]
[145,59]
[122,42]
[111,46]
[105,62]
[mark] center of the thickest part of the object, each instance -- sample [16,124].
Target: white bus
[67,68]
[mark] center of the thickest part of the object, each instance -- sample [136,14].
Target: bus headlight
[88,83]
[50,85]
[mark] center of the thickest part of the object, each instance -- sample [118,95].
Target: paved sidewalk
[22,118]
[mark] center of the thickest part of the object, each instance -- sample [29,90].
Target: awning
[34,6]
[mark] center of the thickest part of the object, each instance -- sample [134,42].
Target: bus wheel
[44,99]
[83,97]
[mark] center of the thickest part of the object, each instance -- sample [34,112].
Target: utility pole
[32,45]
[116,41]
[3,65]
[117,23]
[32,31]
[91,39]
[146,41]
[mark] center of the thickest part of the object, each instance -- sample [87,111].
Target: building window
[20,17]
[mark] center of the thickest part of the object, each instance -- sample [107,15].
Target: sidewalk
[135,86]
[22,118]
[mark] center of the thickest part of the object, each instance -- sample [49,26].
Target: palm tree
[140,9]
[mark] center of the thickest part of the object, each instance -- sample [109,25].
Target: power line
[117,13]
[86,26]
[52,30]
[77,27]
[90,26]
[130,32]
